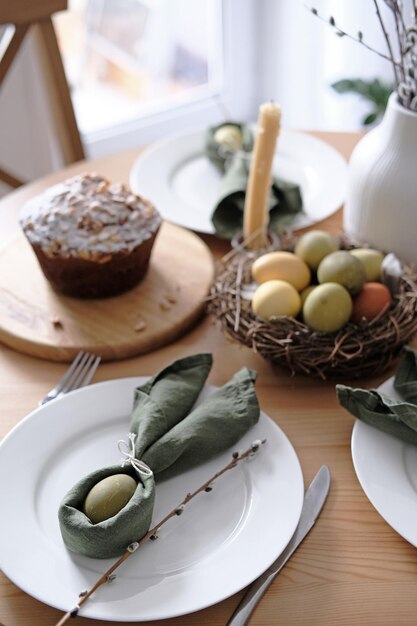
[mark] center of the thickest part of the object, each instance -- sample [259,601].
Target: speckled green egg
[108,497]
[343,268]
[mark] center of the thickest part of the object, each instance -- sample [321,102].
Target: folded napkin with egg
[168,435]
[228,147]
[397,417]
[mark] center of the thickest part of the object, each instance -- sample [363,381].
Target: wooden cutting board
[37,321]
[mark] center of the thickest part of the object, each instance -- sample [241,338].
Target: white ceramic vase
[381,206]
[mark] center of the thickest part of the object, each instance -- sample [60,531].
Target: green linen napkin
[171,437]
[395,417]
[284,199]
[405,381]
[212,427]
[220,154]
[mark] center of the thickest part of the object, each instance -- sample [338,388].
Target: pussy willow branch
[388,42]
[108,575]
[400,30]
[398,11]
[358,39]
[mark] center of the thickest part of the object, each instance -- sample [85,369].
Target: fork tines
[81,371]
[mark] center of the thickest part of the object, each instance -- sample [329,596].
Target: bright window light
[126,59]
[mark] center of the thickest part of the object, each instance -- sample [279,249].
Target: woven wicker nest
[357,350]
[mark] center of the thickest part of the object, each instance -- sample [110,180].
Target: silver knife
[314,500]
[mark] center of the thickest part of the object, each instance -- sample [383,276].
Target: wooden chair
[20,15]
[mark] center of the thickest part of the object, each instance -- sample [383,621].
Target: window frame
[238,95]
[233,94]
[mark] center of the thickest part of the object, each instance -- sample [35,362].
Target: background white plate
[387,471]
[223,541]
[177,177]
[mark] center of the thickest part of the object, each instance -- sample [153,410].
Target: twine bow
[127,449]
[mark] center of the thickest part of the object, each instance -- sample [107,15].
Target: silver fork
[79,374]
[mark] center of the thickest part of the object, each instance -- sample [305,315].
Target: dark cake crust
[92,238]
[76,277]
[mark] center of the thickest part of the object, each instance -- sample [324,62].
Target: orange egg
[370,301]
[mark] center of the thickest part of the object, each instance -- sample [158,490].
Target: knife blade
[314,500]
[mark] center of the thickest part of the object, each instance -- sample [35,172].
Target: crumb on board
[139,326]
[56,322]
[171,297]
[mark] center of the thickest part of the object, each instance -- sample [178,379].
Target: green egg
[108,497]
[343,268]
[327,308]
[313,246]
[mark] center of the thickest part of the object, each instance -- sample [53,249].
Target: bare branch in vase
[403,61]
[342,33]
[395,65]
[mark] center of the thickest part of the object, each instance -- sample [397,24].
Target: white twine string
[127,449]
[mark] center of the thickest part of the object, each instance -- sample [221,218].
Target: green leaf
[374,90]
[343,86]
[358,86]
[379,92]
[369,119]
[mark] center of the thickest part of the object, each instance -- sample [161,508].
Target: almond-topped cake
[92,238]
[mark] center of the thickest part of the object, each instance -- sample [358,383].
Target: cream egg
[276,298]
[281,266]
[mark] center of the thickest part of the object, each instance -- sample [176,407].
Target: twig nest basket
[355,351]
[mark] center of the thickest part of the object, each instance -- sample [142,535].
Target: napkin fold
[392,416]
[171,437]
[405,381]
[285,200]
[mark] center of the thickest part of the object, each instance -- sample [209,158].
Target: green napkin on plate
[405,381]
[232,159]
[393,416]
[170,437]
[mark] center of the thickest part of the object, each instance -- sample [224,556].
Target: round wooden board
[37,321]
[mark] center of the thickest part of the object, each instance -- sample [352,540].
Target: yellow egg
[276,298]
[372,261]
[281,266]
[305,292]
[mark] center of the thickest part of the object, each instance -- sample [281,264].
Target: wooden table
[352,570]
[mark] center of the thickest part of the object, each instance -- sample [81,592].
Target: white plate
[387,471]
[183,184]
[223,541]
